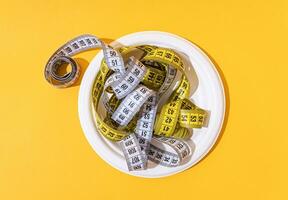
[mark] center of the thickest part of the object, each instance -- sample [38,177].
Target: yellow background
[43,152]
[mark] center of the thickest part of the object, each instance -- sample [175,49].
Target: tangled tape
[130,83]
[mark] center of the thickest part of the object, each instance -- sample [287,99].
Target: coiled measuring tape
[130,84]
[79,44]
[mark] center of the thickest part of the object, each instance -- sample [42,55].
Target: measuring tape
[130,84]
[130,80]
[145,123]
[157,154]
[79,44]
[131,105]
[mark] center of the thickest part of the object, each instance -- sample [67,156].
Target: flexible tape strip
[130,80]
[167,158]
[126,53]
[113,59]
[111,104]
[145,124]
[162,157]
[135,158]
[79,44]
[168,118]
[131,105]
[191,116]
[180,146]
[166,123]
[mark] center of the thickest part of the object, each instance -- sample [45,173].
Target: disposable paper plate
[207,92]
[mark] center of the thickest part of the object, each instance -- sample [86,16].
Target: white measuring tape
[131,92]
[130,80]
[79,44]
[131,105]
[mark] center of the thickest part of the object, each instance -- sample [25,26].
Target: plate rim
[83,119]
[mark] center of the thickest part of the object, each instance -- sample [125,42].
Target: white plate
[209,95]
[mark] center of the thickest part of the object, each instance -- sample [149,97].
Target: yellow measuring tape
[130,82]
